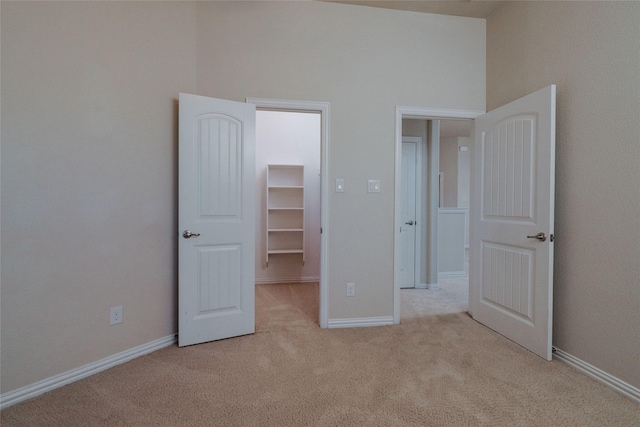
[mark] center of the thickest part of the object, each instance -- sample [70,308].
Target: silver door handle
[540,236]
[187,234]
[409,223]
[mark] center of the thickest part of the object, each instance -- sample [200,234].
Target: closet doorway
[291,141]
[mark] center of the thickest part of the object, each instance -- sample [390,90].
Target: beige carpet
[432,370]
[452,297]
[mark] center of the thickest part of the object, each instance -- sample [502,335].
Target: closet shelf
[285,211]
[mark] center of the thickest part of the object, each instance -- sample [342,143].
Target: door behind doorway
[408,213]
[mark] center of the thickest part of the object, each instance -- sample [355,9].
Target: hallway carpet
[432,370]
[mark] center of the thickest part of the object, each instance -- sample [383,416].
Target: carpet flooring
[437,368]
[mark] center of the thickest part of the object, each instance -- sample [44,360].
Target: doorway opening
[448,293]
[444,165]
[291,164]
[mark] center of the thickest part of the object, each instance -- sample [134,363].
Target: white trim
[289,280]
[415,113]
[460,273]
[40,387]
[358,322]
[440,189]
[323,109]
[599,375]
[433,286]
[434,200]
[437,113]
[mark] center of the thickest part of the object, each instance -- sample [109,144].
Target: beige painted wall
[449,171]
[89,150]
[364,61]
[89,162]
[592,52]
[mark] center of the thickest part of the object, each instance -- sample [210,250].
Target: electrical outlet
[115,315]
[351,289]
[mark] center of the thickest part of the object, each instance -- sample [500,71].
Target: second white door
[408,216]
[512,220]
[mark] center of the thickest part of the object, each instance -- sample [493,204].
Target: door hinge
[551,237]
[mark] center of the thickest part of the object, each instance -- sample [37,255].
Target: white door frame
[418,197]
[323,109]
[424,114]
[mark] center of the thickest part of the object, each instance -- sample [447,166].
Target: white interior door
[408,216]
[216,250]
[513,183]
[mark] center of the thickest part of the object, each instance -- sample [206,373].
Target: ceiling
[468,8]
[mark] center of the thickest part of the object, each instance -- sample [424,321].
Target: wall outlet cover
[351,289]
[115,315]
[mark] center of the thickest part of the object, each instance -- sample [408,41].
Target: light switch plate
[373,186]
[339,185]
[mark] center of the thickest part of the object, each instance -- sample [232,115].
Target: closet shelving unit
[285,210]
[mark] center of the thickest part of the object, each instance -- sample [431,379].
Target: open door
[216,219]
[511,247]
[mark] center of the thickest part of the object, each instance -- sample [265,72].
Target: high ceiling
[468,8]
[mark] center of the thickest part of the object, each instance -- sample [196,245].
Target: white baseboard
[433,286]
[360,322]
[27,392]
[290,280]
[609,380]
[452,273]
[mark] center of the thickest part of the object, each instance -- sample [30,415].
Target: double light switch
[373,185]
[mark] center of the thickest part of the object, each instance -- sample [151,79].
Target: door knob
[187,234]
[409,223]
[540,236]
